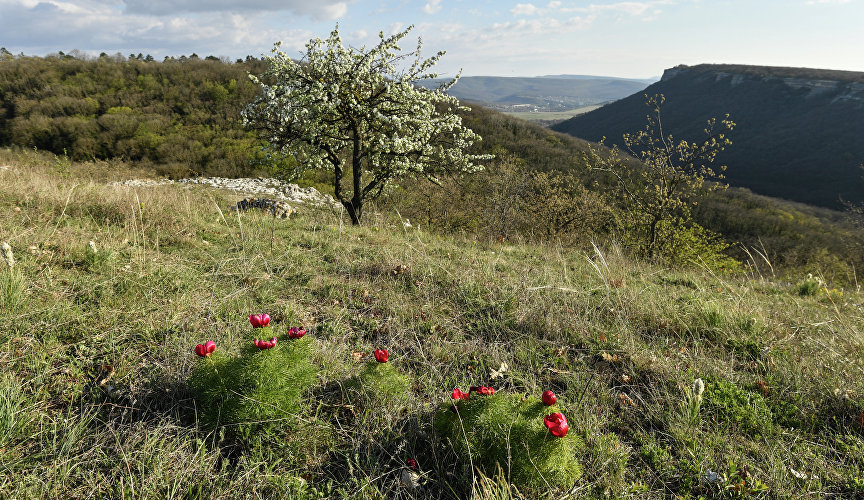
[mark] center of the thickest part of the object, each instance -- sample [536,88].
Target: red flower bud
[458,394]
[411,463]
[259,320]
[265,344]
[296,333]
[557,424]
[381,355]
[482,390]
[549,398]
[206,349]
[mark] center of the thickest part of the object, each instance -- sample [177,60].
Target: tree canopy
[358,113]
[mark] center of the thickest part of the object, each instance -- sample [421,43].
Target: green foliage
[180,116]
[657,194]
[353,112]
[505,431]
[810,286]
[382,382]
[683,242]
[746,411]
[258,387]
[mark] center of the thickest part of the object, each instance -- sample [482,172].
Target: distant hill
[544,93]
[799,134]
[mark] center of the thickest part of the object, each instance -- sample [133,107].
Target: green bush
[503,430]
[383,380]
[258,386]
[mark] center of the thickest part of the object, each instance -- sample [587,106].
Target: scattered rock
[278,209]
[273,188]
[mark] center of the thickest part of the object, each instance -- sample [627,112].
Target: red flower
[549,398]
[557,424]
[411,463]
[482,390]
[458,394]
[265,344]
[259,320]
[381,355]
[206,349]
[296,333]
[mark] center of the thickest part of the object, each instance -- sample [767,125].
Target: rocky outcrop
[282,192]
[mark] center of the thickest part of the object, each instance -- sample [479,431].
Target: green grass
[96,353]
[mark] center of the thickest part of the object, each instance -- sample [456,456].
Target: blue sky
[484,37]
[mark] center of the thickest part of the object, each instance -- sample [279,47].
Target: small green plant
[810,286]
[739,482]
[693,402]
[507,431]
[745,410]
[383,381]
[260,386]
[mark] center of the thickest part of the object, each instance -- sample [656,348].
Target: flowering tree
[357,113]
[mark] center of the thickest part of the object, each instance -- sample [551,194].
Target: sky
[633,39]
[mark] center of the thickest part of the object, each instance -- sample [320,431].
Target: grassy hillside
[97,349]
[797,135]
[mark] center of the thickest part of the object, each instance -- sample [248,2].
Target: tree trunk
[355,210]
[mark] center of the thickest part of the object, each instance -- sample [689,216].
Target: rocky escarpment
[798,133]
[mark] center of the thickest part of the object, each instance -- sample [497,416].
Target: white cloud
[628,8]
[96,26]
[432,7]
[818,2]
[553,5]
[321,9]
[524,9]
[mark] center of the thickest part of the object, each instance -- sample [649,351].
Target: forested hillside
[179,115]
[798,133]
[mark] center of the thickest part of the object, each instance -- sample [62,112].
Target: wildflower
[711,476]
[206,349]
[265,344]
[549,398]
[411,463]
[557,424]
[698,387]
[296,332]
[92,246]
[381,355]
[259,320]
[458,394]
[8,256]
[482,390]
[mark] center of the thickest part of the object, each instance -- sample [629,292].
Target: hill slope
[97,349]
[798,133]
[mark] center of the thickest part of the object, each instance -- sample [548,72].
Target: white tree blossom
[356,113]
